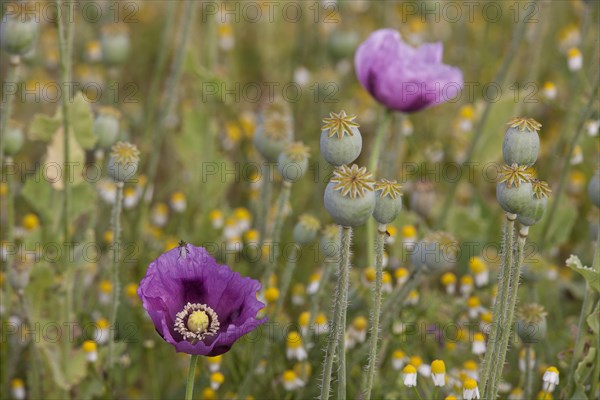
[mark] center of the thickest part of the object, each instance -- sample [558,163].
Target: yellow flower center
[438,367]
[89,346]
[198,321]
[409,369]
[470,384]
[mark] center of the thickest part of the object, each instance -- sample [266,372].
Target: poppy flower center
[196,321]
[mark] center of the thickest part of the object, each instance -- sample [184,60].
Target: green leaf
[76,368]
[55,156]
[188,145]
[91,389]
[489,147]
[591,276]
[560,227]
[467,223]
[44,200]
[82,120]
[582,372]
[593,320]
[41,294]
[83,200]
[44,127]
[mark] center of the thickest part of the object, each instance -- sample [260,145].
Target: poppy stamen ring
[196,321]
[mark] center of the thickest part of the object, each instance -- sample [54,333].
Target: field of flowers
[342,199]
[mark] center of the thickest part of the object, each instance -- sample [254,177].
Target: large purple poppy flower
[197,305]
[404,78]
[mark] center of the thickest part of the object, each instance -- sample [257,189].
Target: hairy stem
[266,194]
[566,163]
[116,228]
[334,332]
[586,308]
[315,299]
[373,164]
[282,200]
[158,130]
[65,46]
[501,299]
[499,79]
[159,66]
[528,372]
[376,309]
[287,278]
[343,309]
[515,275]
[393,304]
[12,77]
[6,295]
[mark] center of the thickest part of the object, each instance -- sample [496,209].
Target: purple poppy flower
[404,78]
[197,305]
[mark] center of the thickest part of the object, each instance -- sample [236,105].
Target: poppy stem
[158,130]
[528,371]
[500,78]
[345,274]
[499,305]
[292,261]
[6,286]
[189,387]
[376,309]
[116,289]
[12,77]
[395,301]
[264,207]
[65,47]
[508,313]
[566,165]
[328,266]
[336,317]
[586,309]
[373,164]
[282,200]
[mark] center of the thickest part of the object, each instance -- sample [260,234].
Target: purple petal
[171,282]
[403,78]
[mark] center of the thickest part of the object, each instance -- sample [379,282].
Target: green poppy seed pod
[437,251]
[342,44]
[534,210]
[106,126]
[594,189]
[273,135]
[330,241]
[341,141]
[514,191]
[305,231]
[594,227]
[18,30]
[529,275]
[388,201]
[115,44]
[19,276]
[521,142]
[123,161]
[349,196]
[422,198]
[292,162]
[14,138]
[531,323]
